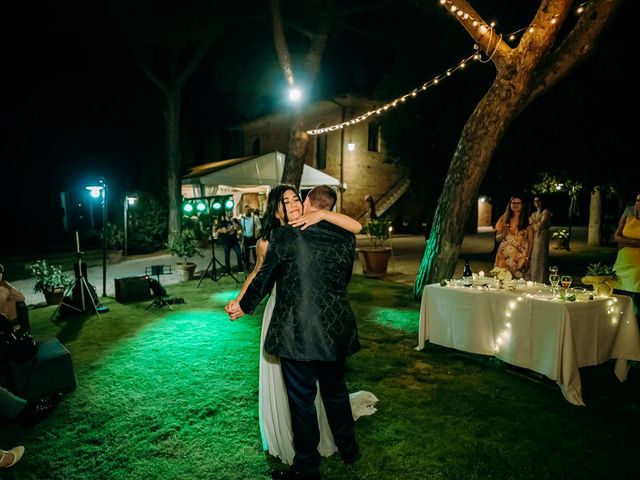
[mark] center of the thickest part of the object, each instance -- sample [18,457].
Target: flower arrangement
[562,234]
[501,274]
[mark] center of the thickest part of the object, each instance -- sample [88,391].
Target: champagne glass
[565,281]
[554,278]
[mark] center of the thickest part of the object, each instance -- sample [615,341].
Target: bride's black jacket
[312,318]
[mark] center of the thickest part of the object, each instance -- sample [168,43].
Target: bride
[285,207]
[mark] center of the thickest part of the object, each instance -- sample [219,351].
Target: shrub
[378,231]
[48,277]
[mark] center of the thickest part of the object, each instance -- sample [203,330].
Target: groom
[312,329]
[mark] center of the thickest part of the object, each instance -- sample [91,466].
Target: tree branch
[154,78]
[485,36]
[576,47]
[280,42]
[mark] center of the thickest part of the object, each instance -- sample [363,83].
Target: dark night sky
[77,106]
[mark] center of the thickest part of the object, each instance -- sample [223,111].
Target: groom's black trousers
[300,379]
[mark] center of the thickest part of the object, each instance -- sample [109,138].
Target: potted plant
[185,245]
[115,242]
[49,280]
[375,259]
[562,238]
[602,277]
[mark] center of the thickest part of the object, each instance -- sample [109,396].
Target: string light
[396,101]
[482,27]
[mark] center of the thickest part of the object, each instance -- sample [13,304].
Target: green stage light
[228,204]
[201,207]
[187,208]
[216,205]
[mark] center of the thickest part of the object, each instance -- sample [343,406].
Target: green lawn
[173,395]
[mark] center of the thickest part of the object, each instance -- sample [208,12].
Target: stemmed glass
[553,270]
[554,278]
[565,281]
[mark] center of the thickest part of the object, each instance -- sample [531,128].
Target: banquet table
[533,330]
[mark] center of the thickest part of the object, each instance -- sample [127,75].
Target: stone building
[354,154]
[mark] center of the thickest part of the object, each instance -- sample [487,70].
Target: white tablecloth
[550,337]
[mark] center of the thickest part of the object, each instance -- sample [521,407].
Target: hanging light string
[399,100]
[482,27]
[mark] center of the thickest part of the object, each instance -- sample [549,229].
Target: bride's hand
[308,219]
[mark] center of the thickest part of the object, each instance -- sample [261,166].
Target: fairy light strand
[484,29]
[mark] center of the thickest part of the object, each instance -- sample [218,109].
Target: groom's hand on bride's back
[233,310]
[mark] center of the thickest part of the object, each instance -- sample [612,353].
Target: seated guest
[9,296]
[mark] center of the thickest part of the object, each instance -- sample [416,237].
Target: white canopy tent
[246,175]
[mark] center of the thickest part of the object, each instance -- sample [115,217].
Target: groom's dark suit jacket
[312,319]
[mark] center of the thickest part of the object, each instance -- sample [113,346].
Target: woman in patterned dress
[516,239]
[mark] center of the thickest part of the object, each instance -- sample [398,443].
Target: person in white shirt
[250,224]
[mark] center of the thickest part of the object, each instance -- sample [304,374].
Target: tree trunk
[174,161]
[594,235]
[298,138]
[296,152]
[478,141]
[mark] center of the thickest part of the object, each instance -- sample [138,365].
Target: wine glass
[554,278]
[565,281]
[553,270]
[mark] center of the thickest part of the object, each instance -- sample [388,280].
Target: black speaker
[132,289]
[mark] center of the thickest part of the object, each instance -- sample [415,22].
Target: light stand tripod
[82,287]
[215,275]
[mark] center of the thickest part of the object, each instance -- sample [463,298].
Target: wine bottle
[467,275]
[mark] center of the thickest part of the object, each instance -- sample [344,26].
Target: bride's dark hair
[270,221]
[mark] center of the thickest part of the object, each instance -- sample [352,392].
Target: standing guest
[627,264]
[516,239]
[9,296]
[250,224]
[539,222]
[228,237]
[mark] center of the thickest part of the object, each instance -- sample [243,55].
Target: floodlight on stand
[216,205]
[228,204]
[201,207]
[187,208]
[129,201]
[97,191]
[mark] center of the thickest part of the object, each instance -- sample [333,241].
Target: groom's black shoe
[294,474]
[350,455]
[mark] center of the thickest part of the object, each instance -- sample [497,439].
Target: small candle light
[481,274]
[529,284]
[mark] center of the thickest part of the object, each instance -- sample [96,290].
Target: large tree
[170,41]
[523,73]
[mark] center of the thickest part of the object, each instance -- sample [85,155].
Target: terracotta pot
[54,297]
[186,270]
[374,261]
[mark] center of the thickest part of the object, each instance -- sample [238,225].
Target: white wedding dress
[273,405]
